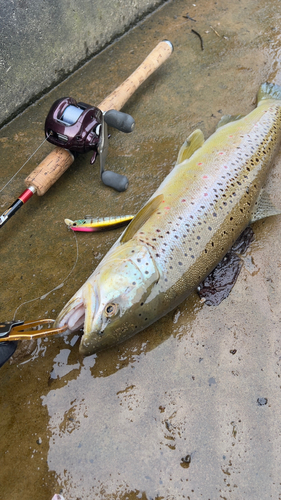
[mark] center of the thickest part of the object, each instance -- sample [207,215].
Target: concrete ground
[190,408]
[43,42]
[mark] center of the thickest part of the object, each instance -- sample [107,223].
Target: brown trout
[184,230]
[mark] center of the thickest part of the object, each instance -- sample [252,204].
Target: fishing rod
[75,127]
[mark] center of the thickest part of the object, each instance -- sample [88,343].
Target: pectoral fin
[190,145]
[141,217]
[264,207]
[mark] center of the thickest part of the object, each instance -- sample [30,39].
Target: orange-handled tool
[58,161]
[23,330]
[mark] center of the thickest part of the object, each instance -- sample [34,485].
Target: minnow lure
[90,224]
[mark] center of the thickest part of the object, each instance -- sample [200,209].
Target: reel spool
[80,128]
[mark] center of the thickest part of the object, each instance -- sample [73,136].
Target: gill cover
[112,296]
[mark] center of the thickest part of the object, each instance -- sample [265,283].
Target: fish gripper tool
[21,330]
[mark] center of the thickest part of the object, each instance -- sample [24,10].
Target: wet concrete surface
[51,39]
[189,408]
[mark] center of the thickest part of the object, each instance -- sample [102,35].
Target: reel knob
[116,181]
[120,121]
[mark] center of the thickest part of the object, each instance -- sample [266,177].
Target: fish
[91,224]
[214,191]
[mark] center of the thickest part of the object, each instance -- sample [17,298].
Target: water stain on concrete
[118,425]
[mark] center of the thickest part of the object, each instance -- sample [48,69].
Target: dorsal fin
[190,145]
[228,119]
[141,217]
[264,207]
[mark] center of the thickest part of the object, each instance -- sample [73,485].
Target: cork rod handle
[122,94]
[58,161]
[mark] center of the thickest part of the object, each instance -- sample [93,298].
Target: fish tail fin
[269,91]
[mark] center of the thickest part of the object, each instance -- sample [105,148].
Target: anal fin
[190,145]
[228,119]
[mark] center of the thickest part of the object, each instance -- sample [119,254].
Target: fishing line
[42,297]
[24,163]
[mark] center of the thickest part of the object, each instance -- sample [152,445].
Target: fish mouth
[72,315]
[79,313]
[75,316]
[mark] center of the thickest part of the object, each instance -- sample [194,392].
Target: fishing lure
[90,224]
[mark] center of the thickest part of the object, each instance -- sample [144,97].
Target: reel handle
[57,162]
[120,121]
[116,181]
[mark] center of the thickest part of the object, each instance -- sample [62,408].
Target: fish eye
[110,309]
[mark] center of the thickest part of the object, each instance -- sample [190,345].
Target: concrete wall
[41,41]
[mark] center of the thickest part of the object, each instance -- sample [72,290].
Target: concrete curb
[42,42]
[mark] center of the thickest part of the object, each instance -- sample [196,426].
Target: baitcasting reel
[80,128]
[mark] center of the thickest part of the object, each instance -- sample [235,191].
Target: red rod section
[20,201]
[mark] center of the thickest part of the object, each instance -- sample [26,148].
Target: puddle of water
[120,424]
